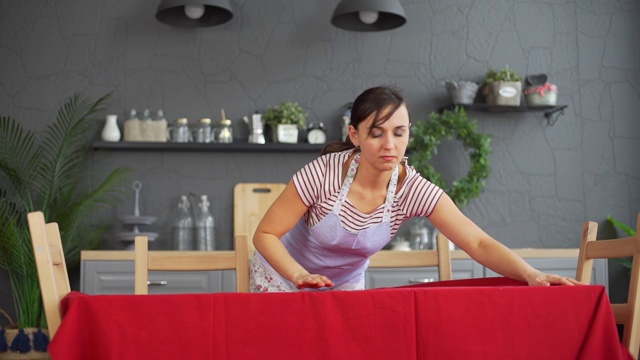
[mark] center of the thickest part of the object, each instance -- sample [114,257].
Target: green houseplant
[502,87]
[285,120]
[424,141]
[629,231]
[49,175]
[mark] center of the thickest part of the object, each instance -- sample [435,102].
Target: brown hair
[371,101]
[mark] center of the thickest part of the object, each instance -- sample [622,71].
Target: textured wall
[545,181]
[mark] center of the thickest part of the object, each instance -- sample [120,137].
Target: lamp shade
[194,13]
[368,15]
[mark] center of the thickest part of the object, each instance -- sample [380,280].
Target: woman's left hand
[542,279]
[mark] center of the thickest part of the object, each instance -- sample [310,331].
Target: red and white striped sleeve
[421,195]
[309,180]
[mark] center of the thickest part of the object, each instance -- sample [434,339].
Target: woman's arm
[281,217]
[486,250]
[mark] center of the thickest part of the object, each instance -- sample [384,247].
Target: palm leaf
[44,176]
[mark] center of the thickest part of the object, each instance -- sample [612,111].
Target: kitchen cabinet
[111,272]
[465,269]
[116,277]
[460,269]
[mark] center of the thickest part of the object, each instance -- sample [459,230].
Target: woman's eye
[399,133]
[376,134]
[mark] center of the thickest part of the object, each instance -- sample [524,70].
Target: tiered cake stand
[135,220]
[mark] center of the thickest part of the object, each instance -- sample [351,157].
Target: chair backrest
[51,266]
[250,202]
[146,261]
[627,314]
[441,257]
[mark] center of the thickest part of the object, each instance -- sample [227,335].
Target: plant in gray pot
[285,120]
[502,87]
[50,175]
[461,92]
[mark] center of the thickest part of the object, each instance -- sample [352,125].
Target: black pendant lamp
[368,15]
[194,13]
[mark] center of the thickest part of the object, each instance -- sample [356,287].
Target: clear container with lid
[225,131]
[179,131]
[202,133]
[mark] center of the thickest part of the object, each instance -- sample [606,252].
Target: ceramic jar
[111,132]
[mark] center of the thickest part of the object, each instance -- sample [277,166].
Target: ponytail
[338,146]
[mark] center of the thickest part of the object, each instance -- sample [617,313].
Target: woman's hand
[542,279]
[311,281]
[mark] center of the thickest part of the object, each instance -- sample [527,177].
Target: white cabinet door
[116,277]
[461,269]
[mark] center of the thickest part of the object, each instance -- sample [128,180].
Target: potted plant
[502,87]
[285,120]
[461,92]
[539,91]
[48,174]
[629,231]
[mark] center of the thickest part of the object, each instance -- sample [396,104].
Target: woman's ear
[353,135]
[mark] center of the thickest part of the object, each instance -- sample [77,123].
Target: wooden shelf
[549,110]
[233,147]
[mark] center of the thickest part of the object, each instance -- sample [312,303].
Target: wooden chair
[250,202]
[146,261]
[627,314]
[51,266]
[441,257]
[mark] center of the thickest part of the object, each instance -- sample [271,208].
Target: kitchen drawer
[116,277]
[461,269]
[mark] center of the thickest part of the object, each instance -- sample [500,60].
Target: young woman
[348,204]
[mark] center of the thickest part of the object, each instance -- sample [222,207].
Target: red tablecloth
[479,319]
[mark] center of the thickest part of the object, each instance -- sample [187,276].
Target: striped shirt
[318,183]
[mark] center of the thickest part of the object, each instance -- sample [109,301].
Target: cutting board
[250,202]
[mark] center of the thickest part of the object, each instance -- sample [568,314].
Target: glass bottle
[183,226]
[205,226]
[420,236]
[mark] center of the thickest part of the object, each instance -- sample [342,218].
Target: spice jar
[225,131]
[202,133]
[179,132]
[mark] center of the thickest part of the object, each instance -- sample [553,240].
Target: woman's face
[385,144]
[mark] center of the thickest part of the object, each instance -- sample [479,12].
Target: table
[491,318]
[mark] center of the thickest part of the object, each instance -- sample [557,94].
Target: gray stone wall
[545,180]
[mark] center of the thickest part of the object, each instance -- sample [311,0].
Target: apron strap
[346,185]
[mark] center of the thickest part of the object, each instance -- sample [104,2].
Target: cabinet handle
[421,281]
[157,282]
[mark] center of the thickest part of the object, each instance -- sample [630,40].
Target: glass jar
[202,133]
[225,132]
[179,131]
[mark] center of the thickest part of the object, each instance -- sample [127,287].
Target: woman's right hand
[311,281]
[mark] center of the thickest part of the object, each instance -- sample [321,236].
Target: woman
[348,204]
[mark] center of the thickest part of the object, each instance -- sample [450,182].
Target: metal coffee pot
[256,128]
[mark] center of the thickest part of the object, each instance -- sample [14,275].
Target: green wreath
[425,138]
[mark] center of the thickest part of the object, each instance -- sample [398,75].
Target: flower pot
[461,92]
[286,134]
[550,98]
[503,93]
[541,95]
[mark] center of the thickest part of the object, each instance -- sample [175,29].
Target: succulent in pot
[503,87]
[285,120]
